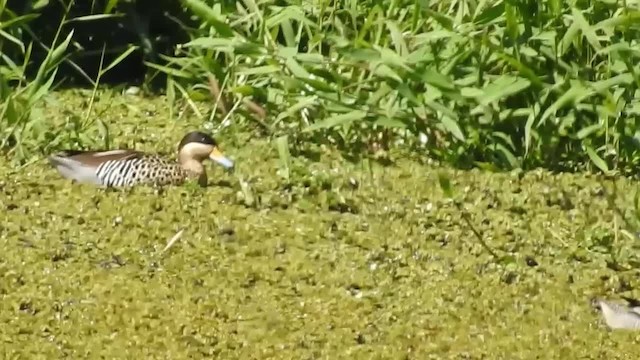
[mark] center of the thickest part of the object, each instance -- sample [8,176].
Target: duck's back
[142,169]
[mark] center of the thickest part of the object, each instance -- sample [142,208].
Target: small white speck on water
[173,240]
[132,90]
[117,220]
[373,266]
[423,138]
[356,293]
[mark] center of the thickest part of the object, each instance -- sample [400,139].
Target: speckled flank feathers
[146,169]
[124,168]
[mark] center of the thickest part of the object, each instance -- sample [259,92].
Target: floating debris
[172,241]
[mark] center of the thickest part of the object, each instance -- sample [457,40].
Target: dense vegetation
[499,84]
[340,263]
[299,253]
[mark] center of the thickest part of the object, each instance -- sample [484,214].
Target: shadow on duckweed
[337,262]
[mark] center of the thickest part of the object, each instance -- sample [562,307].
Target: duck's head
[198,146]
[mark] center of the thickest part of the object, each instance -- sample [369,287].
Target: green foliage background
[497,84]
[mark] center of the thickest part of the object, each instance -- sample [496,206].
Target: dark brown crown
[197,137]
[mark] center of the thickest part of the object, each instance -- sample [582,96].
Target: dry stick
[260,113]
[173,240]
[214,89]
[612,204]
[216,93]
[626,224]
[466,218]
[255,108]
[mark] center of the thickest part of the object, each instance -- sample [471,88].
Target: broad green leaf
[421,55]
[597,160]
[444,20]
[586,131]
[357,55]
[288,33]
[244,90]
[445,184]
[528,131]
[94,17]
[119,59]
[512,21]
[111,4]
[302,103]
[390,58]
[502,88]
[282,145]
[13,39]
[42,90]
[318,85]
[18,21]
[252,6]
[437,106]
[311,58]
[206,13]
[523,69]
[286,14]
[621,47]
[236,45]
[49,63]
[630,17]
[39,4]
[336,120]
[169,70]
[575,94]
[185,96]
[55,56]
[408,94]
[452,126]
[622,79]
[260,70]
[397,38]
[555,7]
[569,37]
[435,78]
[171,95]
[508,154]
[296,69]
[471,92]
[373,17]
[385,71]
[388,123]
[586,29]
[489,14]
[433,36]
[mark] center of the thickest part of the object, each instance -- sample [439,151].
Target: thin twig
[466,218]
[214,88]
[173,240]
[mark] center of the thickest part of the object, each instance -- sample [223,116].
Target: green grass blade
[206,13]
[337,120]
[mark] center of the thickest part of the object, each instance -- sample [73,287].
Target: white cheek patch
[196,150]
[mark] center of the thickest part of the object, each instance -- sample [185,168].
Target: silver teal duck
[126,168]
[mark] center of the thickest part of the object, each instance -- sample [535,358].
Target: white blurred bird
[619,316]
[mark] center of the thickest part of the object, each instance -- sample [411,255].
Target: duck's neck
[194,169]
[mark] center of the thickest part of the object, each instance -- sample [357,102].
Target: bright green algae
[342,264]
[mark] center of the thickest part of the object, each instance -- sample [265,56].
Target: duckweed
[336,263]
